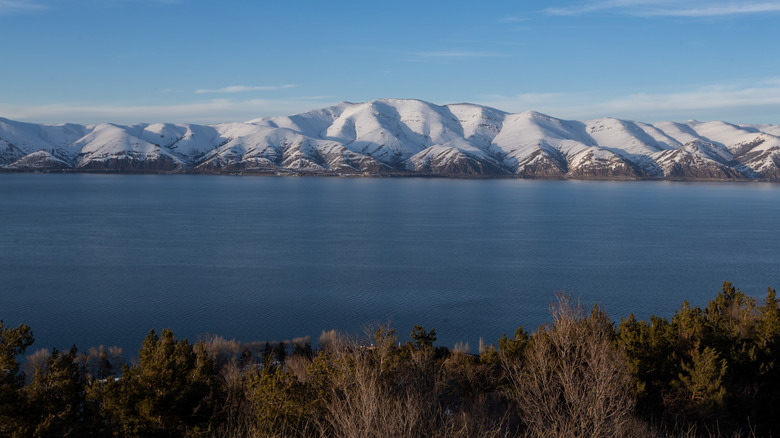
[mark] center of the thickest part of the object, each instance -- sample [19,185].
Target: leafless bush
[36,360]
[329,338]
[678,428]
[377,389]
[460,348]
[235,411]
[222,351]
[298,365]
[573,382]
[368,397]
[468,425]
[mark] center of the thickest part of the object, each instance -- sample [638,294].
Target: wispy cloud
[512,19]
[456,54]
[9,7]
[121,3]
[733,102]
[244,89]
[206,112]
[712,11]
[446,56]
[660,8]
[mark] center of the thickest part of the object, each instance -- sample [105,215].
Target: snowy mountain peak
[408,137]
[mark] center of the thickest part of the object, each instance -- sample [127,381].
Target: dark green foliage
[701,382]
[714,367]
[768,360]
[279,401]
[514,348]
[56,397]
[768,331]
[274,353]
[422,338]
[13,342]
[649,347]
[166,394]
[101,363]
[302,347]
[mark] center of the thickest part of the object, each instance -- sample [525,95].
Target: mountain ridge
[405,137]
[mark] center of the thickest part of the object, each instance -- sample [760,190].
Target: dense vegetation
[709,371]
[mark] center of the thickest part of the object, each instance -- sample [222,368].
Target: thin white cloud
[9,7]
[714,11]
[122,3]
[600,5]
[449,56]
[205,112]
[512,19]
[244,89]
[456,54]
[756,103]
[661,8]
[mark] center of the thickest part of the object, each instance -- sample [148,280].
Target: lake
[102,259]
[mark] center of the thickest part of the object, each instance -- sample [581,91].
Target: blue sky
[126,61]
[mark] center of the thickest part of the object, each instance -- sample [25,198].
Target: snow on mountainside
[405,137]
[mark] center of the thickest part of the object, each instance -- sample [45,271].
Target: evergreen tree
[769,321]
[56,397]
[650,350]
[422,338]
[768,339]
[513,348]
[168,393]
[281,403]
[13,342]
[701,381]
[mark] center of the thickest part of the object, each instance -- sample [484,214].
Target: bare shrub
[468,425]
[36,361]
[234,411]
[222,351]
[377,389]
[368,397]
[329,338]
[572,382]
[460,348]
[298,365]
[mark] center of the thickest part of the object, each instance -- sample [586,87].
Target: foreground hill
[405,137]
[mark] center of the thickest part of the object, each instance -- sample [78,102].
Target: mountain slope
[405,137]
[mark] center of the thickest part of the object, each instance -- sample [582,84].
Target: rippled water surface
[102,259]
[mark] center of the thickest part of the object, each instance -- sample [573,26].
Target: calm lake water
[102,259]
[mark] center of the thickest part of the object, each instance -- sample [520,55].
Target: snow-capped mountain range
[405,137]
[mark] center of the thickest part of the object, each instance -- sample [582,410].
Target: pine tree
[13,342]
[702,383]
[650,350]
[513,349]
[167,393]
[768,339]
[56,397]
[422,338]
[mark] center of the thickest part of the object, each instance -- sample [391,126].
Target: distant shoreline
[291,173]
